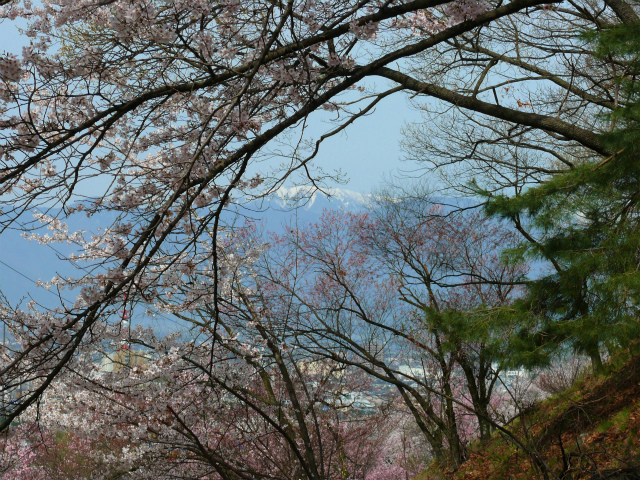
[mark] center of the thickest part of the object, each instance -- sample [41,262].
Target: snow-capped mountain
[309,198]
[23,263]
[301,205]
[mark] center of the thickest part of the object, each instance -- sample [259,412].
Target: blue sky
[370,148]
[365,153]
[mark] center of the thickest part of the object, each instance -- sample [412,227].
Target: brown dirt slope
[588,432]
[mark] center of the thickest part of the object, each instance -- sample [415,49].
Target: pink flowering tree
[198,410]
[233,400]
[407,294]
[264,384]
[451,270]
[17,455]
[32,452]
[162,113]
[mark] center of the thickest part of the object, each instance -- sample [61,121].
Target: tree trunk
[596,360]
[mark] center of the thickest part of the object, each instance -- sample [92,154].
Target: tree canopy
[163,115]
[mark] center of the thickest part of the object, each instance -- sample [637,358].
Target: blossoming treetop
[163,112]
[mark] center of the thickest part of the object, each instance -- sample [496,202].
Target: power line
[32,280]
[74,263]
[80,267]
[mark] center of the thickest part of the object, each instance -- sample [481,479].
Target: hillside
[587,432]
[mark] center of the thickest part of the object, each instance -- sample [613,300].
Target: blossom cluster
[10,68]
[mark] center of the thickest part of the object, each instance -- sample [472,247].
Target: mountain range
[24,263]
[303,205]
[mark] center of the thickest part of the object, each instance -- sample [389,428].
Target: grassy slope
[591,431]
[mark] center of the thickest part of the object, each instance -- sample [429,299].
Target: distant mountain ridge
[24,262]
[302,205]
[27,262]
[310,198]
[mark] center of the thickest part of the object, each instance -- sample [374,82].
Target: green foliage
[488,327]
[605,425]
[587,224]
[621,419]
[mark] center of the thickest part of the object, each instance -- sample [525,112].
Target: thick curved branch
[547,123]
[623,11]
[545,74]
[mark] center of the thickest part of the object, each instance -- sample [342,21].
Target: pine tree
[587,224]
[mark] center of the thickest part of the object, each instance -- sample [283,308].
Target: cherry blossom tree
[194,410]
[419,284]
[449,263]
[231,401]
[32,451]
[163,113]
